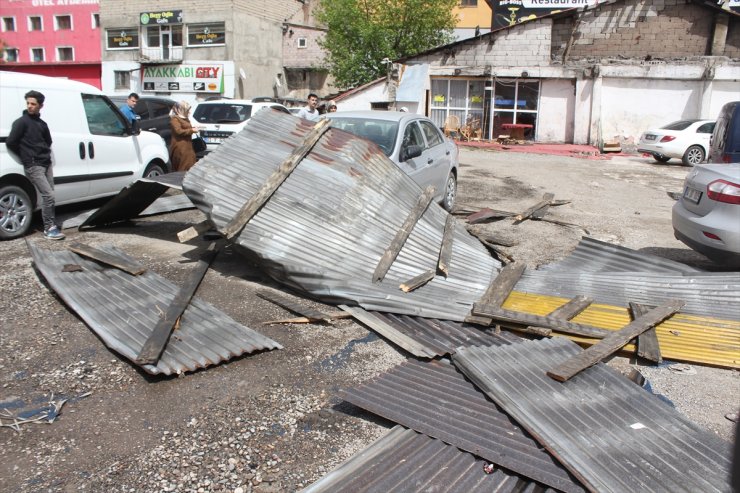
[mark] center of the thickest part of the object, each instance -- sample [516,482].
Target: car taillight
[668,138]
[724,191]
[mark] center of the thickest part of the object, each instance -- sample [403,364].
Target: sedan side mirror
[410,152]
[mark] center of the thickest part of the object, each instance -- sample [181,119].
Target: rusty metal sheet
[134,199]
[123,310]
[163,205]
[435,399]
[609,432]
[403,461]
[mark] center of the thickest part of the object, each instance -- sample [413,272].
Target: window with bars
[122,79]
[62,22]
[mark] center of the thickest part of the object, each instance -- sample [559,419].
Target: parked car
[220,119]
[154,113]
[687,140]
[725,146]
[95,151]
[411,141]
[707,216]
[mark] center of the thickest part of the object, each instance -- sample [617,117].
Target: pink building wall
[84,38]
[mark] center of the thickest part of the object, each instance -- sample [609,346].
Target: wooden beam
[417,281]
[277,178]
[527,319]
[194,231]
[648,346]
[403,234]
[545,202]
[564,312]
[502,285]
[306,320]
[132,267]
[157,341]
[445,251]
[294,306]
[614,341]
[486,213]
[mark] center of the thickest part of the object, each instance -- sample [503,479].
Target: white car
[222,118]
[687,140]
[411,141]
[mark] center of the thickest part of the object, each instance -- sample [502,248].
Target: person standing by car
[30,139]
[182,155]
[309,112]
[128,108]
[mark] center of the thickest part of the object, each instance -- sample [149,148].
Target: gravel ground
[271,421]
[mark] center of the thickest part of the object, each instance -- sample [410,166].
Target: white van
[95,151]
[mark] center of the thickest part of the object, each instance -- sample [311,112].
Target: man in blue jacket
[30,139]
[128,108]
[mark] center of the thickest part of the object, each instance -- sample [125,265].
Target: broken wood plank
[417,281]
[486,213]
[502,285]
[240,220]
[565,312]
[545,202]
[445,251]
[489,238]
[648,346]
[294,306]
[403,234]
[132,267]
[306,320]
[194,231]
[527,319]
[157,341]
[563,223]
[614,341]
[502,255]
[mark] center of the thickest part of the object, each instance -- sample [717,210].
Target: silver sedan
[411,141]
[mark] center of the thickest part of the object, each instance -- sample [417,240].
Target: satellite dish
[242,74]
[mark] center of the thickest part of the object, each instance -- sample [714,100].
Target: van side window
[102,117]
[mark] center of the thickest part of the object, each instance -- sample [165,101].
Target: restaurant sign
[163,17]
[184,78]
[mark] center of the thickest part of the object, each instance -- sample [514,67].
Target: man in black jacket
[30,139]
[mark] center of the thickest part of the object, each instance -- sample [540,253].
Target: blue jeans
[42,178]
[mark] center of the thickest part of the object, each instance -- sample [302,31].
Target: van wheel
[16,212]
[153,170]
[694,155]
[450,192]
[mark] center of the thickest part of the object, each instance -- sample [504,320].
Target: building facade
[198,50]
[605,73]
[58,38]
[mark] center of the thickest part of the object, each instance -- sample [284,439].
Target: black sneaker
[53,233]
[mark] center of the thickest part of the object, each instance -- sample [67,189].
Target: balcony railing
[161,54]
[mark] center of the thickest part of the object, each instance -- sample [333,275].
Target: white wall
[556,111]
[361,100]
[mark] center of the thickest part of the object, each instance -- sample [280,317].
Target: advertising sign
[184,78]
[163,17]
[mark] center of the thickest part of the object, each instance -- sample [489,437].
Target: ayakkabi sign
[184,78]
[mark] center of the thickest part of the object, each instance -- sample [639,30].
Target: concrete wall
[556,111]
[361,99]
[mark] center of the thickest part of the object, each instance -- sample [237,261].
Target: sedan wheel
[694,155]
[16,212]
[450,192]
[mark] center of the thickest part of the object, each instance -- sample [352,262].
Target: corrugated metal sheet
[134,199]
[123,310]
[435,399]
[403,461]
[327,226]
[168,203]
[592,255]
[612,434]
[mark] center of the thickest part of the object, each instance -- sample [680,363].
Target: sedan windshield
[383,133]
[222,113]
[679,125]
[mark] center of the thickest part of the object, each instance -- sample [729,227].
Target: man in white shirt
[309,112]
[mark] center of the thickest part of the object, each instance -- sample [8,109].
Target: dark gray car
[154,112]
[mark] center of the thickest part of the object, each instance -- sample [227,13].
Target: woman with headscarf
[182,155]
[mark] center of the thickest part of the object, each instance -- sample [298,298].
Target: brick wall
[310,56]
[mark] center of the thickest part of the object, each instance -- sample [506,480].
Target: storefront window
[461,98]
[515,103]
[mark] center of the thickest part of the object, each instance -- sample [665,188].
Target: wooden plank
[648,346]
[306,320]
[489,238]
[157,341]
[194,231]
[565,312]
[445,251]
[527,319]
[501,286]
[277,178]
[294,306]
[502,255]
[403,234]
[486,213]
[614,341]
[417,281]
[134,268]
[546,198]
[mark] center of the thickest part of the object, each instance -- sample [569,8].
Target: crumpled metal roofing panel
[435,399]
[168,203]
[592,255]
[123,310]
[403,461]
[609,432]
[327,226]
